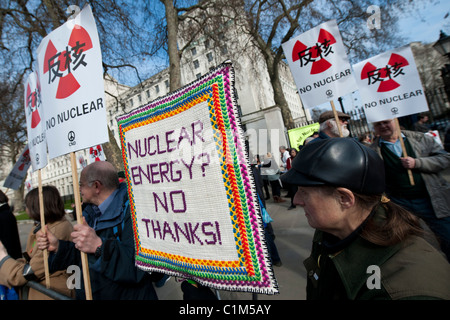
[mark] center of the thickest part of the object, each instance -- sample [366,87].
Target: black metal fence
[358,125]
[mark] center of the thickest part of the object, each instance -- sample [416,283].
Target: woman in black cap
[365,246]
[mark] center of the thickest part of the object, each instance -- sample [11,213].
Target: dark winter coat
[9,233]
[361,270]
[113,275]
[431,161]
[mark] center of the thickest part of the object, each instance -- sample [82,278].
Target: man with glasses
[429,196]
[106,236]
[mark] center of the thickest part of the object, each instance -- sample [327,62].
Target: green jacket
[410,270]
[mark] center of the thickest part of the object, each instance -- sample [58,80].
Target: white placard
[18,173]
[319,65]
[71,77]
[390,86]
[34,114]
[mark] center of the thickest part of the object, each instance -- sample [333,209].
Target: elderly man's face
[385,128]
[87,189]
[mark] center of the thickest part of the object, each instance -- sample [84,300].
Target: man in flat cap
[329,127]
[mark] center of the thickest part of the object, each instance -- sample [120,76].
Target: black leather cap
[339,162]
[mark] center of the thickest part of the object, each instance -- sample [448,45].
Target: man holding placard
[106,236]
[429,197]
[72,91]
[390,87]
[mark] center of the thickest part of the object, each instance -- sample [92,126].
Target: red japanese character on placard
[33,104]
[26,159]
[60,65]
[315,54]
[385,75]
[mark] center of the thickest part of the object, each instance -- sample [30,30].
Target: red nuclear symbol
[316,52]
[96,152]
[67,84]
[26,159]
[384,75]
[33,104]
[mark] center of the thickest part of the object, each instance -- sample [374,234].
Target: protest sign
[37,142]
[390,86]
[37,145]
[19,171]
[82,161]
[96,153]
[193,201]
[71,78]
[297,136]
[319,65]
[28,185]
[70,66]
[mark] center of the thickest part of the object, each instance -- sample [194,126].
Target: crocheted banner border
[253,271]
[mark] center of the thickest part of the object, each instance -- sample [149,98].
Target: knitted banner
[194,206]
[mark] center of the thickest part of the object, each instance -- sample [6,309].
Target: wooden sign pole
[405,154]
[76,191]
[42,215]
[336,118]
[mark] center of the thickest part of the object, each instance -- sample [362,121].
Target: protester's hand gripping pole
[42,216]
[405,154]
[76,191]
[336,118]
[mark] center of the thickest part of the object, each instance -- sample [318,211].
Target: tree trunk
[281,102]
[278,94]
[112,152]
[174,56]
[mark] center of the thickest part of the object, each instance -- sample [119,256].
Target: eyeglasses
[89,184]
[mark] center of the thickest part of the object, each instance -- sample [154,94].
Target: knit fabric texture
[192,195]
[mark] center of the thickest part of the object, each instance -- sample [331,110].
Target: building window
[131,102]
[209,56]
[194,51]
[157,88]
[148,93]
[196,64]
[167,84]
[139,98]
[198,75]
